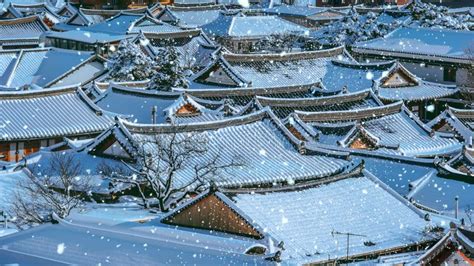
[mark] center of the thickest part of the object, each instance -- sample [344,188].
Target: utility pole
[348,235]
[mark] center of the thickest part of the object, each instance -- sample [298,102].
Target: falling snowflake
[60,248]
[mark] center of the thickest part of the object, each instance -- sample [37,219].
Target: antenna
[348,234]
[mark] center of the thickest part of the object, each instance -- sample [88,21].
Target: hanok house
[35,119]
[158,107]
[104,37]
[390,129]
[196,50]
[21,32]
[437,55]
[421,97]
[44,10]
[86,17]
[284,107]
[47,67]
[118,247]
[270,154]
[306,16]
[461,165]
[239,33]
[67,10]
[333,69]
[455,122]
[308,222]
[190,17]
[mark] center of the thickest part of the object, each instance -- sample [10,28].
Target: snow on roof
[346,101]
[70,243]
[332,67]
[305,219]
[39,66]
[189,17]
[461,120]
[194,2]
[82,35]
[136,103]
[240,26]
[115,28]
[90,165]
[44,9]
[22,28]
[400,129]
[423,91]
[49,114]
[268,152]
[9,187]
[392,128]
[300,11]
[410,42]
[408,87]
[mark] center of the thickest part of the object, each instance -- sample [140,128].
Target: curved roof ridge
[363,65]
[332,99]
[195,8]
[343,115]
[120,87]
[93,11]
[197,126]
[452,86]
[231,57]
[248,91]
[38,93]
[356,171]
[20,20]
[456,111]
[171,35]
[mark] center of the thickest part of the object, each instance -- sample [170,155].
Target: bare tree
[58,188]
[161,158]
[469,212]
[120,174]
[282,42]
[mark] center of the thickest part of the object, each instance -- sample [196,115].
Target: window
[449,74]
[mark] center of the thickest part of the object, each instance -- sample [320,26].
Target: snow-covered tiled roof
[39,66]
[194,2]
[50,113]
[136,103]
[44,9]
[392,128]
[423,91]
[259,140]
[80,243]
[116,28]
[307,12]
[426,43]
[241,26]
[461,121]
[189,17]
[332,67]
[28,28]
[348,101]
[461,165]
[409,87]
[402,131]
[306,220]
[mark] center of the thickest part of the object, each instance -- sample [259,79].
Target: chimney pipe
[153,114]
[457,207]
